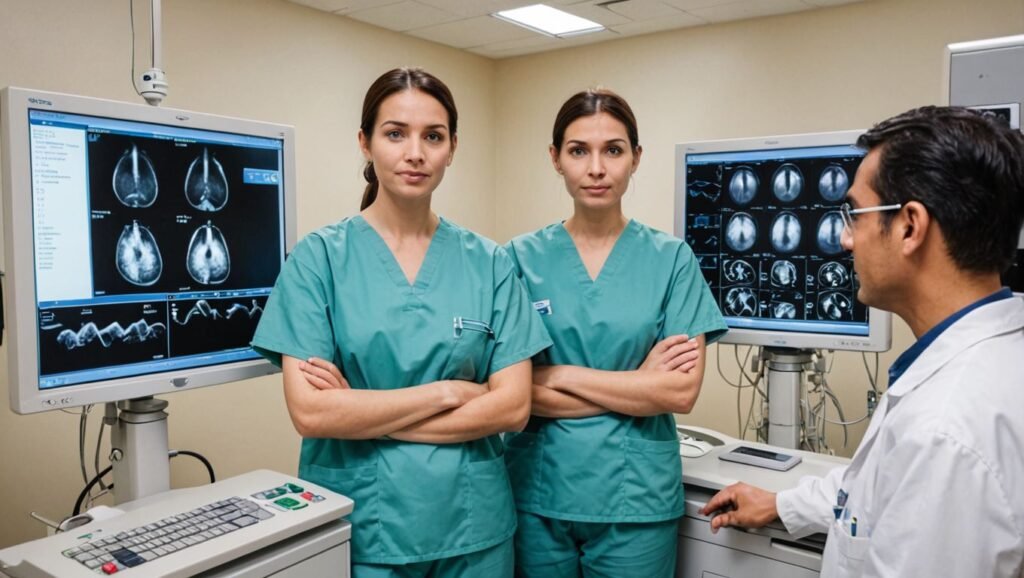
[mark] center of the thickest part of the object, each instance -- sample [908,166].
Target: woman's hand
[323,374]
[674,353]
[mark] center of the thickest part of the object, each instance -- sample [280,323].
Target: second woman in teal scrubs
[596,473]
[405,342]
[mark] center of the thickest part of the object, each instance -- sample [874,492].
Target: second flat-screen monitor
[762,217]
[142,246]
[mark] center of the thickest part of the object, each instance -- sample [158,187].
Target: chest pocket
[471,341]
[851,551]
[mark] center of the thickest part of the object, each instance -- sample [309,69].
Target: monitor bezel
[879,336]
[19,262]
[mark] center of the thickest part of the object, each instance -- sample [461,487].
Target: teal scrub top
[342,296]
[609,468]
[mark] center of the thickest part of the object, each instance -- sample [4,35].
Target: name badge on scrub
[543,307]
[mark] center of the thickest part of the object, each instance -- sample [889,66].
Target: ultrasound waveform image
[136,332]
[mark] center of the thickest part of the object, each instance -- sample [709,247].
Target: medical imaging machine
[762,217]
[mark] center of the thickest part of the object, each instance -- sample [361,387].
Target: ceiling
[468,24]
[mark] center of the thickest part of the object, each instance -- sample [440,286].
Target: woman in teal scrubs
[596,473]
[405,342]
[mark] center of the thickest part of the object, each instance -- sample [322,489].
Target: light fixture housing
[549,21]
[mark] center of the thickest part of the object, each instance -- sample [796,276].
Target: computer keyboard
[142,544]
[183,532]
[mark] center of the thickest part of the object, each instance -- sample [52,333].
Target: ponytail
[370,194]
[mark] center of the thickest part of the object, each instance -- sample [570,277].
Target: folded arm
[504,407]
[668,381]
[331,409]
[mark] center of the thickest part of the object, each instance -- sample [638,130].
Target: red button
[307,495]
[109,568]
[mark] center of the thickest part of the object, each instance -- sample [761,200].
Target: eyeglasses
[847,213]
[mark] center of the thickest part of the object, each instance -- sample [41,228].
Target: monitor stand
[785,383]
[139,449]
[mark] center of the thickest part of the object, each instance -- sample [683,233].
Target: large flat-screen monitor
[140,246]
[762,217]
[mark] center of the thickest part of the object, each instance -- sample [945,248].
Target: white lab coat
[937,484]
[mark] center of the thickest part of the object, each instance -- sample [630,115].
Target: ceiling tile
[642,9]
[516,47]
[403,16]
[344,6]
[679,20]
[472,32]
[468,8]
[824,3]
[694,4]
[749,9]
[602,16]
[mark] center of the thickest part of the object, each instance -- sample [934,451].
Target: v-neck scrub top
[613,467]
[343,297]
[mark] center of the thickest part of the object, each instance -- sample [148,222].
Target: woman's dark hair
[965,168]
[389,83]
[588,103]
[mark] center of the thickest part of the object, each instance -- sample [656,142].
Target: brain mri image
[786,232]
[738,272]
[833,274]
[783,274]
[787,183]
[741,232]
[135,183]
[741,302]
[208,261]
[834,183]
[743,185]
[783,310]
[137,255]
[830,230]
[835,306]
[206,187]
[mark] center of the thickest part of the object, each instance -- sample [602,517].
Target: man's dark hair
[966,169]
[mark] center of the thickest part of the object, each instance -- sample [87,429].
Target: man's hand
[674,353]
[741,505]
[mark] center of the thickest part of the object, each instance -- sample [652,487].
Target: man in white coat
[936,487]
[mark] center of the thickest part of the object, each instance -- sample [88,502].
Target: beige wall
[267,59]
[834,69]
[263,59]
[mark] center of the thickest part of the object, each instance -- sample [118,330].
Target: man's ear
[913,222]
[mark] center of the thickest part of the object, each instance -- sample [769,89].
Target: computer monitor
[762,217]
[140,243]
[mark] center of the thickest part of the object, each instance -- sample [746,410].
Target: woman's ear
[554,159]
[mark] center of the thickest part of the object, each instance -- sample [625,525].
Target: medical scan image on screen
[155,246]
[765,227]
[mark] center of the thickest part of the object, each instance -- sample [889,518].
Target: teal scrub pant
[549,548]
[494,562]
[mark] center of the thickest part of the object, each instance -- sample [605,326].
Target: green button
[290,503]
[294,488]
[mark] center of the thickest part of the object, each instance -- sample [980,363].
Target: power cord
[172,454]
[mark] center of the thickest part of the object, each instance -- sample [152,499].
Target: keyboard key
[244,521]
[262,514]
